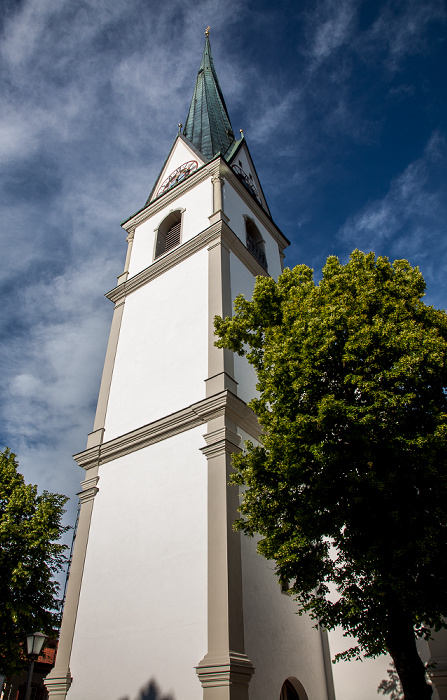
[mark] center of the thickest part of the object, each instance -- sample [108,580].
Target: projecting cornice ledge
[200,413]
[225,670]
[217,232]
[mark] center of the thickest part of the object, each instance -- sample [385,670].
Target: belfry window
[288,692]
[255,243]
[168,233]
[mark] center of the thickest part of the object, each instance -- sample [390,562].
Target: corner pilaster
[129,239]
[218,212]
[225,671]
[220,361]
[59,679]
[438,662]
[96,437]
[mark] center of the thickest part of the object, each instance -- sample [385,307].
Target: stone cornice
[200,413]
[220,447]
[89,489]
[225,670]
[217,232]
[215,168]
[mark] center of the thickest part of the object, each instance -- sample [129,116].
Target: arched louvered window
[168,233]
[255,243]
[288,692]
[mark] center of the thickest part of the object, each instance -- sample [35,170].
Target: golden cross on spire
[207,31]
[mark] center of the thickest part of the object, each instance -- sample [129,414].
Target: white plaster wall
[235,208]
[356,680]
[242,282]
[198,205]
[162,354]
[143,606]
[179,155]
[279,643]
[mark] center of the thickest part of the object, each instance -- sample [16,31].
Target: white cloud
[410,218]
[16,137]
[333,25]
[50,372]
[277,109]
[401,30]
[93,95]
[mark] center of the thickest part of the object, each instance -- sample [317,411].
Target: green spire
[208,125]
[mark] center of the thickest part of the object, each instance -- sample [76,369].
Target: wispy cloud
[401,30]
[411,217]
[331,26]
[92,95]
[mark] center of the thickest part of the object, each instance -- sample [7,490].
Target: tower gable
[242,164]
[182,153]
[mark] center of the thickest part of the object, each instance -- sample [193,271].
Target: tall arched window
[255,242]
[288,692]
[168,233]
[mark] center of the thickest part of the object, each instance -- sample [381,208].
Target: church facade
[164,599]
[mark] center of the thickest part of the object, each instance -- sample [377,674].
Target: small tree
[30,555]
[349,484]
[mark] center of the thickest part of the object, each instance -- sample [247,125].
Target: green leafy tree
[30,555]
[348,487]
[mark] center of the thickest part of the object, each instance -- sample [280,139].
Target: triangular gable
[242,163]
[182,152]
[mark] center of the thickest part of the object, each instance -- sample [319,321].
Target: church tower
[164,599]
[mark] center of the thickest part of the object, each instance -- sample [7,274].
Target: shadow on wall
[151,692]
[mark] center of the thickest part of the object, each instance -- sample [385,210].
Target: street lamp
[34,644]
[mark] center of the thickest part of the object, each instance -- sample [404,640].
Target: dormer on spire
[208,125]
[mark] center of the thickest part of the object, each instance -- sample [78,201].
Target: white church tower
[164,599]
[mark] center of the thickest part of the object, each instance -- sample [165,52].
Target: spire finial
[207,31]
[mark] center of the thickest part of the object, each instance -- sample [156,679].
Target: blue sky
[343,104]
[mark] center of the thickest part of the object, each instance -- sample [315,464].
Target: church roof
[208,125]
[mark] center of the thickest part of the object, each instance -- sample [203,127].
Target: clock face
[247,180]
[177,176]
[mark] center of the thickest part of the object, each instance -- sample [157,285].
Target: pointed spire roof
[208,125]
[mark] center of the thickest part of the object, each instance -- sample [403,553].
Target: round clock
[247,180]
[177,176]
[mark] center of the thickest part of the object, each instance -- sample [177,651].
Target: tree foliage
[349,485]
[30,555]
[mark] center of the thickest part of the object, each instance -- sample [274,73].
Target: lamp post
[34,644]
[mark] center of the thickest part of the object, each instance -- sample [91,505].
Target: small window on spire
[168,234]
[255,243]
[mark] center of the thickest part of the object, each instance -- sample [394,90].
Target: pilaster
[59,679]
[97,435]
[218,212]
[130,236]
[220,361]
[327,663]
[225,671]
[438,662]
